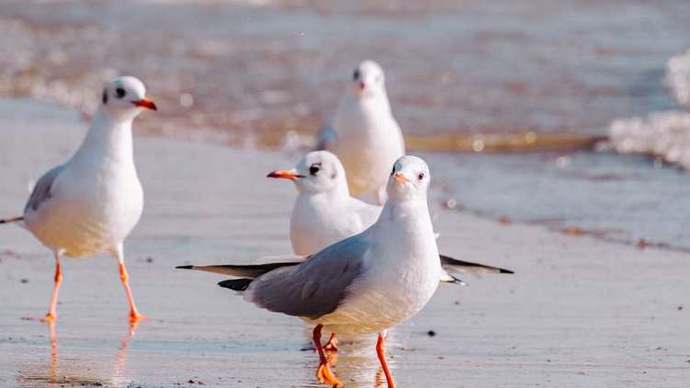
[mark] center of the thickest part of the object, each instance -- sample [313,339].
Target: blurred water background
[510,100]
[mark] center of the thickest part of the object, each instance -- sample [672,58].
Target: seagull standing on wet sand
[364,134]
[90,204]
[366,283]
[325,213]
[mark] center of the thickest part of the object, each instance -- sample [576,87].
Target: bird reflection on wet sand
[354,362]
[64,374]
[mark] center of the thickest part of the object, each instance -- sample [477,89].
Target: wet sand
[579,312]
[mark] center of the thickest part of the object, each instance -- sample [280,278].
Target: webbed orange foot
[136,317]
[324,373]
[326,376]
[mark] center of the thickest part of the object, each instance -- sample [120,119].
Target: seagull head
[124,98]
[368,80]
[316,172]
[409,179]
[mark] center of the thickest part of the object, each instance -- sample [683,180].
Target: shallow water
[257,74]
[619,198]
[453,67]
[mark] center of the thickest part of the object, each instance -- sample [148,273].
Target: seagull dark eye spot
[105,97]
[420,176]
[356,75]
[120,92]
[314,168]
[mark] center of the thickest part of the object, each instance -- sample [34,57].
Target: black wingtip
[11,220]
[184,267]
[236,284]
[503,270]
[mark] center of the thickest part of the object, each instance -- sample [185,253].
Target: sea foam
[666,134]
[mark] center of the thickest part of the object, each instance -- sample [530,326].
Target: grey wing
[42,190]
[326,139]
[315,287]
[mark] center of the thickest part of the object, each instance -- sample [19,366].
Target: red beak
[360,87]
[285,174]
[145,103]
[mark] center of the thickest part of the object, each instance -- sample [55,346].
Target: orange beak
[145,103]
[400,178]
[285,174]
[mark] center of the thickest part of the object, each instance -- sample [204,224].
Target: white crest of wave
[662,134]
[678,77]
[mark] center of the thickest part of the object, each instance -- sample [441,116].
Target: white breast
[89,212]
[318,221]
[96,200]
[368,142]
[399,280]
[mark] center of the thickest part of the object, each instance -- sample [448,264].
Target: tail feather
[11,220]
[245,271]
[450,278]
[462,265]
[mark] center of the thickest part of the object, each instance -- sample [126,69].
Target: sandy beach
[579,312]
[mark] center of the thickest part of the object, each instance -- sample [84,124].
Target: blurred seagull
[325,213]
[364,134]
[365,283]
[90,204]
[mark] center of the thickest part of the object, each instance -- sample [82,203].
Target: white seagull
[325,213]
[364,134]
[89,204]
[366,283]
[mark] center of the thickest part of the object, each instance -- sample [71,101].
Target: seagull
[325,213]
[89,204]
[365,283]
[364,134]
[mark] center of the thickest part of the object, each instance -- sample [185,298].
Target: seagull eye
[105,96]
[420,176]
[356,75]
[120,92]
[314,169]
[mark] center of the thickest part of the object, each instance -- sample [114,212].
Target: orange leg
[134,314]
[52,310]
[332,344]
[324,373]
[382,359]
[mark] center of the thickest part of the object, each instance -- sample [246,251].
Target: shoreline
[579,312]
[527,142]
